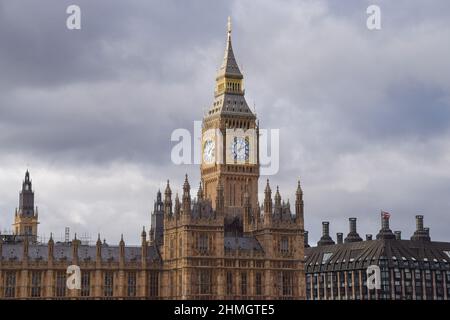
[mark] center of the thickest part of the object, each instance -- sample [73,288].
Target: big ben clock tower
[230,138]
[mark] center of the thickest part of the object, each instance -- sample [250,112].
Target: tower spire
[229,67]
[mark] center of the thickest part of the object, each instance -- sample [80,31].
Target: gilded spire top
[229,67]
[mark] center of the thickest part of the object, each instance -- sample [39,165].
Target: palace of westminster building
[221,244]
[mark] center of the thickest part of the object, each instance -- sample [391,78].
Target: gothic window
[202,243]
[85,283]
[229,283]
[108,284]
[36,282]
[131,288]
[284,245]
[10,284]
[258,282]
[204,281]
[308,287]
[243,283]
[28,231]
[172,248]
[287,283]
[153,285]
[61,284]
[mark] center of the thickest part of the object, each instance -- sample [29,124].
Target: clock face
[209,151]
[240,149]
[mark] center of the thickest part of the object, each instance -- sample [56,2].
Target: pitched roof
[63,251]
[230,104]
[359,255]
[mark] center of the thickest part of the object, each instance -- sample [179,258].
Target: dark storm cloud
[117,39]
[363,116]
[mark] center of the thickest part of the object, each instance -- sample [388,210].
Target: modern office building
[410,269]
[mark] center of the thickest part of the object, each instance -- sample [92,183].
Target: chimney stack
[385,232]
[419,222]
[421,233]
[352,236]
[325,239]
[305,235]
[340,237]
[325,228]
[398,235]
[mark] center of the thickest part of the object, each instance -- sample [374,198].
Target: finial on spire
[200,192]
[229,26]
[268,190]
[186,186]
[299,188]
[168,192]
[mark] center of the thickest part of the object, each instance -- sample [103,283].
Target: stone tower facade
[222,244]
[26,216]
[230,139]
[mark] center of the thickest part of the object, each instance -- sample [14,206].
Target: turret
[121,251]
[143,247]
[277,206]
[299,206]
[267,202]
[200,192]
[98,251]
[157,218]
[168,201]
[75,246]
[51,248]
[26,217]
[177,206]
[186,197]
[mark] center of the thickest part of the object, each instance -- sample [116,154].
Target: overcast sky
[363,115]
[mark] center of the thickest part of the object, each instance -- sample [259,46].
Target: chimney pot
[368,237]
[398,235]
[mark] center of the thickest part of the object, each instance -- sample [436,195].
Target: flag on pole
[385,215]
